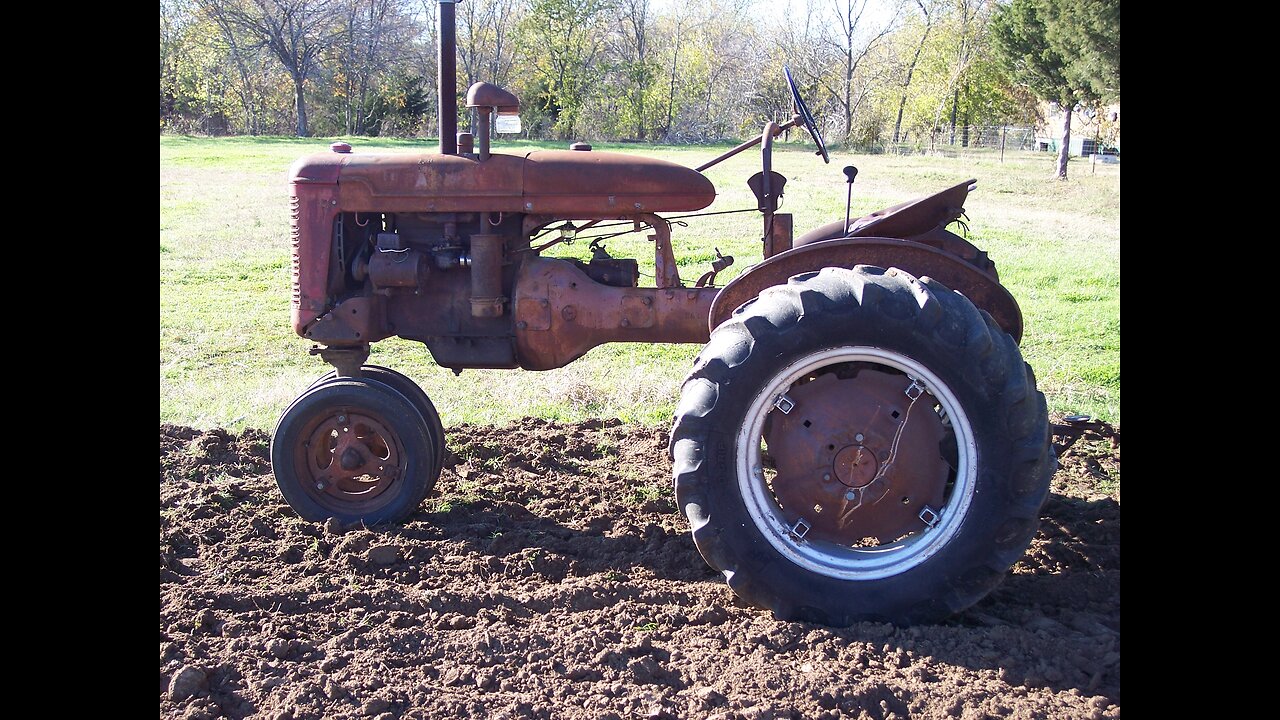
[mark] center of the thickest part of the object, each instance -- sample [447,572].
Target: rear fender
[916,258]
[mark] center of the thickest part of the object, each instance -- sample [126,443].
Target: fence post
[1003,131]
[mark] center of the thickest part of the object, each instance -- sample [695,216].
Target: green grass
[228,357]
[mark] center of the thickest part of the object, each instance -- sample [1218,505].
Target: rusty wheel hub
[858,456]
[352,458]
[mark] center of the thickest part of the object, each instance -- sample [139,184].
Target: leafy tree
[296,32]
[636,65]
[1087,33]
[568,37]
[929,11]
[853,50]
[1029,38]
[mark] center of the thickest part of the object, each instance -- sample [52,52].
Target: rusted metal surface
[708,279]
[349,457]
[778,238]
[359,319]
[768,201]
[915,258]
[856,457]
[914,216]
[665,272]
[483,94]
[571,183]
[776,183]
[487,299]
[923,220]
[562,183]
[346,361]
[795,120]
[561,313]
[312,205]
[431,183]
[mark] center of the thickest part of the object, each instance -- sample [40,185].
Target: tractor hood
[547,182]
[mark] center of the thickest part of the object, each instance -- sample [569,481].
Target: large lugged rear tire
[861,445]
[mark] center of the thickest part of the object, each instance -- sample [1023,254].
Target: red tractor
[858,439]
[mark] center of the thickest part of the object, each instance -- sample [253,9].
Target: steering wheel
[809,124]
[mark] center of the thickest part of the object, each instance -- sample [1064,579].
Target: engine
[429,247]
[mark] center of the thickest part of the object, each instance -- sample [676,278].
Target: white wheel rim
[831,559]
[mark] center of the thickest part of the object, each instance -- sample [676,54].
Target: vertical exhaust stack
[448,80]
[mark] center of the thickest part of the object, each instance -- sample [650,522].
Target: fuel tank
[547,182]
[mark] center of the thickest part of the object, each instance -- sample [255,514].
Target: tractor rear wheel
[861,445]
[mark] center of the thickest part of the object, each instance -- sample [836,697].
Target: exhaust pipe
[448,79]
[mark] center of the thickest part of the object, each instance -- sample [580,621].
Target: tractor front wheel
[411,391]
[353,449]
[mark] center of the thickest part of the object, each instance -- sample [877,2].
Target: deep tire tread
[800,313]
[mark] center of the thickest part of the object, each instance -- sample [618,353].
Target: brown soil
[550,576]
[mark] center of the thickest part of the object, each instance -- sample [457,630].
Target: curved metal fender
[913,257]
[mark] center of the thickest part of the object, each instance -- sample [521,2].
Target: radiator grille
[295,240]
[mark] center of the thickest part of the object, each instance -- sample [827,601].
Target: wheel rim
[406,387]
[350,459]
[851,493]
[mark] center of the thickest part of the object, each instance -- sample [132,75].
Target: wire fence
[986,140]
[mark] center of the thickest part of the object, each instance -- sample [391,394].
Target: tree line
[875,72]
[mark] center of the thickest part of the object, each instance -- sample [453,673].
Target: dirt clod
[187,682]
[558,581]
[383,555]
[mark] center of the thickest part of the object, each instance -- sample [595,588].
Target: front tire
[861,445]
[412,392]
[353,449]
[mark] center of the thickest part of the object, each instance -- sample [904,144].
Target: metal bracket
[929,516]
[347,361]
[917,386]
[800,529]
[784,403]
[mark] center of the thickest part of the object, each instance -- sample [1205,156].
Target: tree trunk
[897,126]
[955,107]
[911,69]
[848,90]
[300,104]
[1064,152]
[671,97]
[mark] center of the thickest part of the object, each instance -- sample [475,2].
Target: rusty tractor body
[835,444]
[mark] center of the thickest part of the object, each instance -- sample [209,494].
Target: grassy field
[228,357]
